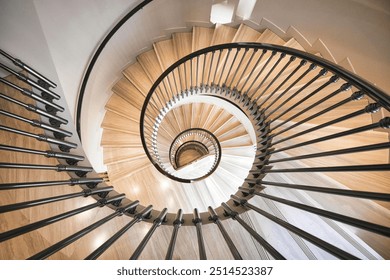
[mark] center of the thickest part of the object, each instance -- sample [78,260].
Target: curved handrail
[95,57]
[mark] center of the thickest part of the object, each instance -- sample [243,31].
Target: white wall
[73,29]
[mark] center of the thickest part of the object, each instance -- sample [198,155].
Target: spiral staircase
[220,143]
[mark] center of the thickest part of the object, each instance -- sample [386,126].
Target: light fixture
[222,11]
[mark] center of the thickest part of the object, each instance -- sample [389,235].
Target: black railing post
[214,217]
[198,224]
[376,228]
[311,238]
[58,132]
[30,70]
[42,223]
[252,232]
[90,182]
[32,203]
[50,105]
[65,242]
[176,226]
[137,218]
[156,223]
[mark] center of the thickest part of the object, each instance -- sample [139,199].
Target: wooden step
[354,140]
[149,63]
[218,120]
[243,140]
[182,43]
[116,155]
[240,167]
[170,124]
[270,80]
[292,43]
[150,185]
[245,151]
[346,109]
[214,114]
[125,169]
[179,118]
[298,81]
[199,114]
[201,37]
[186,111]
[223,34]
[303,92]
[165,52]
[116,122]
[232,176]
[353,180]
[138,77]
[246,34]
[129,92]
[270,37]
[112,138]
[231,125]
[120,106]
[232,133]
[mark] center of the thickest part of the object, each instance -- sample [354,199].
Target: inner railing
[193,146]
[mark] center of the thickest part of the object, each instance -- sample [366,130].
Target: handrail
[53,119]
[95,57]
[32,95]
[58,132]
[30,82]
[70,158]
[30,70]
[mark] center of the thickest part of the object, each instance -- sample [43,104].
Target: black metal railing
[17,124]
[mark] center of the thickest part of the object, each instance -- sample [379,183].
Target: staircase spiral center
[194,154]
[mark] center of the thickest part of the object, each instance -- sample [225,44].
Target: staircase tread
[115,155]
[223,34]
[246,34]
[202,37]
[127,168]
[292,43]
[165,53]
[129,92]
[112,138]
[182,43]
[118,105]
[113,120]
[149,62]
[138,77]
[270,37]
